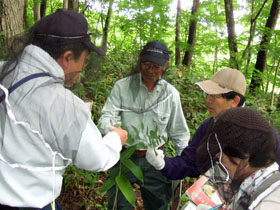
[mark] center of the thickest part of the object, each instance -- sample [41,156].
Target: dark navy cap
[155,51]
[65,27]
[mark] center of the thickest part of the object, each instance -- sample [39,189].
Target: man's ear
[236,101]
[165,66]
[64,59]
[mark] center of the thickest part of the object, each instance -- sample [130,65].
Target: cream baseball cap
[224,81]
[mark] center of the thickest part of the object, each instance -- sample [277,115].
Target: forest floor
[81,198]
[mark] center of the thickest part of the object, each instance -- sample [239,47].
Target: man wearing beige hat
[224,90]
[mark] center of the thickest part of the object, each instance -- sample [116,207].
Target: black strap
[22,81]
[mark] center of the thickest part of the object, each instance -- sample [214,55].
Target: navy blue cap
[155,51]
[65,27]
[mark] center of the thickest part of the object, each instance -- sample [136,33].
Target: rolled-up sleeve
[111,111]
[177,127]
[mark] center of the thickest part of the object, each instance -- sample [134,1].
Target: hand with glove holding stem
[156,158]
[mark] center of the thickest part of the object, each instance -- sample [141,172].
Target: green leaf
[126,189]
[130,140]
[114,172]
[142,126]
[87,176]
[107,185]
[128,152]
[135,130]
[124,170]
[142,145]
[135,169]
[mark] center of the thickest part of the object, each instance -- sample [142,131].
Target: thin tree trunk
[215,59]
[106,27]
[269,74]
[84,7]
[37,10]
[192,35]
[252,27]
[43,8]
[177,38]
[73,5]
[65,4]
[274,84]
[278,101]
[256,79]
[232,44]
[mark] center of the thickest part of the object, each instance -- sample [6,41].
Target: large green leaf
[128,152]
[107,185]
[126,189]
[135,169]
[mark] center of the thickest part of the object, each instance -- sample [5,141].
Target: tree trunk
[37,10]
[269,74]
[192,35]
[278,101]
[12,21]
[106,27]
[247,51]
[177,36]
[256,79]
[232,44]
[274,84]
[84,7]
[73,5]
[65,4]
[253,23]
[43,8]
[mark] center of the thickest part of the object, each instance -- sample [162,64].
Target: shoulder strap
[22,81]
[267,187]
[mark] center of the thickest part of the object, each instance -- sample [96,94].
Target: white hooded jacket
[44,128]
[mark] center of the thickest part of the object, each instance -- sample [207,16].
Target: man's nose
[208,99]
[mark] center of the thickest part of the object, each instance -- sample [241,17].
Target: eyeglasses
[213,96]
[149,65]
[218,172]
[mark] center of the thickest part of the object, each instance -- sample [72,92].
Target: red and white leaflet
[204,192]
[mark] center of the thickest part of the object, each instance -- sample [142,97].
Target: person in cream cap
[224,90]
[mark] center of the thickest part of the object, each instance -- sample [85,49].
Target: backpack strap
[22,81]
[266,188]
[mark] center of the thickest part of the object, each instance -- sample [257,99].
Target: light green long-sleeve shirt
[131,104]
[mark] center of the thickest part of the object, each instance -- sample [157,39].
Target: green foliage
[127,190]
[117,176]
[134,23]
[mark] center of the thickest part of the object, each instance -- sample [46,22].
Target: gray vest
[245,201]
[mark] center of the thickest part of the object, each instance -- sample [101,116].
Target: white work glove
[156,160]
[109,127]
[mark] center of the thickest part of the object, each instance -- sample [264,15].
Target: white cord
[28,127]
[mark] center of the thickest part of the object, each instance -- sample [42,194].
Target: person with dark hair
[145,103]
[44,127]
[225,90]
[239,155]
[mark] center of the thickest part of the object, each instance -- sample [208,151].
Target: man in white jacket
[44,127]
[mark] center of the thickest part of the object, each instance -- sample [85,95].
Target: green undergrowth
[96,85]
